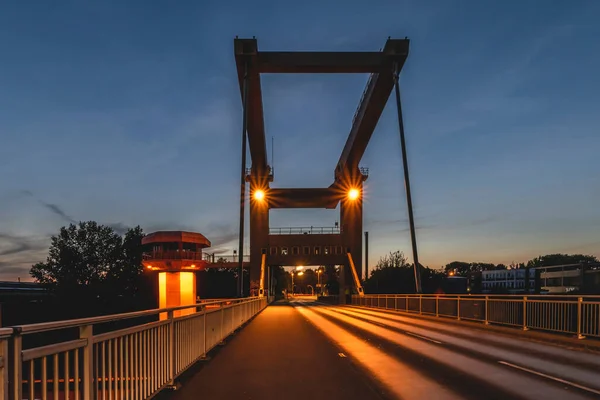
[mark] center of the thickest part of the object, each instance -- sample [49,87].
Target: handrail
[214,259]
[573,314]
[304,230]
[362,97]
[140,360]
[70,323]
[483,295]
[172,255]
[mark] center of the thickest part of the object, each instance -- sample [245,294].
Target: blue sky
[128,112]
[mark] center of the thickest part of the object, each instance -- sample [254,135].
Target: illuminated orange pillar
[176,289]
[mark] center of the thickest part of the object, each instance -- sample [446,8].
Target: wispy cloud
[55,209]
[10,244]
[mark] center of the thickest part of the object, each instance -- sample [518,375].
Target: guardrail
[173,255]
[565,314]
[134,362]
[304,230]
[215,259]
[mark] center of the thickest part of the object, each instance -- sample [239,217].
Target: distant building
[21,290]
[509,281]
[570,278]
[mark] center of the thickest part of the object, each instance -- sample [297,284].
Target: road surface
[308,350]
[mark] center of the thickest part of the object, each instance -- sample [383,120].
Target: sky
[129,113]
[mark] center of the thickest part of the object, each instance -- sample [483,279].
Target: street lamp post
[319,272]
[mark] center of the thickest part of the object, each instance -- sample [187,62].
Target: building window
[273,251]
[326,250]
[317,250]
[295,250]
[338,250]
[306,250]
[284,251]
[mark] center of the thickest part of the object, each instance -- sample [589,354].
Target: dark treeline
[462,268]
[394,274]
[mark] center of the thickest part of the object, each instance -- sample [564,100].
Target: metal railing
[173,255]
[304,230]
[362,98]
[134,362]
[565,314]
[216,258]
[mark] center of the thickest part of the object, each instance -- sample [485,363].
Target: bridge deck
[279,355]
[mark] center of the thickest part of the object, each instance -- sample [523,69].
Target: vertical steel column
[411,221]
[366,255]
[243,182]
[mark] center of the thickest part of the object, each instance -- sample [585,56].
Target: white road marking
[342,355]
[423,337]
[578,386]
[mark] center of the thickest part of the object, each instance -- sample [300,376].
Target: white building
[513,281]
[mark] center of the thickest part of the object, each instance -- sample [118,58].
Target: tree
[393,274]
[462,268]
[127,274]
[92,259]
[560,259]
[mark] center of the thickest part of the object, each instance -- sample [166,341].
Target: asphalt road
[309,350]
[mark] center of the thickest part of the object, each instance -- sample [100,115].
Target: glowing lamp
[259,195]
[353,194]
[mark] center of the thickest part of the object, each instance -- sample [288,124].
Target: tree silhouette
[560,259]
[92,259]
[393,274]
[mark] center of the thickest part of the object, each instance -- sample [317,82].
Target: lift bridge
[409,346]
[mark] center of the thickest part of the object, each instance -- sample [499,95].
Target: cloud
[119,227]
[221,234]
[55,209]
[10,244]
[11,270]
[19,253]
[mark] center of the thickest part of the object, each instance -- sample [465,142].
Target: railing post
[420,304]
[87,332]
[4,379]
[525,328]
[17,365]
[486,310]
[222,336]
[458,308]
[171,319]
[204,335]
[579,318]
[437,305]
[406,302]
[395,302]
